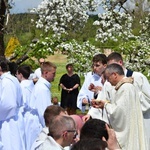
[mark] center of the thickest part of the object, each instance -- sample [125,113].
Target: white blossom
[65,12]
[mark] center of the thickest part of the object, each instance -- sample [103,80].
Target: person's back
[10,84]
[27,88]
[11,119]
[23,73]
[32,123]
[143,87]
[141,82]
[131,120]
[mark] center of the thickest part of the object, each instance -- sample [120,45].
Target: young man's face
[50,75]
[98,67]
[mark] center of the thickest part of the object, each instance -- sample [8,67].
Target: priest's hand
[98,103]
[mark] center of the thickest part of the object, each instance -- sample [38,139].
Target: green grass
[60,71]
[60,61]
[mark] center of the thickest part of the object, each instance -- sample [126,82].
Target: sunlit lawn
[60,61]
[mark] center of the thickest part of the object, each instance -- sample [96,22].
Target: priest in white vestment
[143,87]
[124,110]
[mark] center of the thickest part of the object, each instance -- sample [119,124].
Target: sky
[21,6]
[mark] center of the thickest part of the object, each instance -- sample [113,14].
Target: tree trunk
[2,19]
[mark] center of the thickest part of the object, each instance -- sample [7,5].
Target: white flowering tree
[79,54]
[116,23]
[137,51]
[59,16]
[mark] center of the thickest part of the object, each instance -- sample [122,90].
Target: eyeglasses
[75,133]
[108,76]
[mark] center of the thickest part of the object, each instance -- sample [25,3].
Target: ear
[115,75]
[120,62]
[65,133]
[105,65]
[20,75]
[45,73]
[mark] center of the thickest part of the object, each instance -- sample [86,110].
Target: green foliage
[79,52]
[20,26]
[46,44]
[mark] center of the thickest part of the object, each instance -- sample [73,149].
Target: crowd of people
[118,98]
